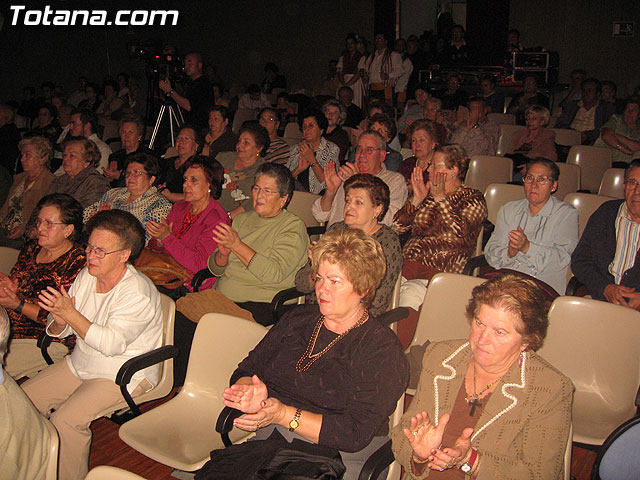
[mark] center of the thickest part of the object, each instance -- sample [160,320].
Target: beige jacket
[31,197]
[522,432]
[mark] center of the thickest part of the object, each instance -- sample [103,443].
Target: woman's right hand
[112,171]
[331,177]
[423,436]
[420,188]
[246,397]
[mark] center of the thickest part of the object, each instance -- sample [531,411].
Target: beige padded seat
[612,184]
[497,194]
[586,204]
[51,472]
[596,345]
[502,118]
[506,137]
[569,181]
[593,162]
[487,169]
[406,153]
[292,130]
[300,205]
[242,115]
[106,472]
[566,136]
[8,257]
[181,432]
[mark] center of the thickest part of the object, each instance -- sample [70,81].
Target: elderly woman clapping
[341,373]
[489,407]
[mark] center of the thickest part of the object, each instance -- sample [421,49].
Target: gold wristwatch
[293,424]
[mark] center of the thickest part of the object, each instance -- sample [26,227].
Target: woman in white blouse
[115,314]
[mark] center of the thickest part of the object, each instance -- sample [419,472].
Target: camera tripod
[175,118]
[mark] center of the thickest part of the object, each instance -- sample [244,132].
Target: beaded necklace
[311,358]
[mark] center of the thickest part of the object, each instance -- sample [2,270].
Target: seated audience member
[452,97]
[606,259]
[91,101]
[140,196]
[432,111]
[220,137]
[535,141]
[354,112]
[24,436]
[335,114]
[351,413]
[366,204]
[370,155]
[272,79]
[516,422]
[85,124]
[187,232]
[26,191]
[493,99]
[386,127]
[347,71]
[384,67]
[188,143]
[444,219]
[115,315]
[131,134]
[48,126]
[587,115]
[81,180]
[457,52]
[575,87]
[536,235]
[529,96]
[414,110]
[240,168]
[473,131]
[112,104]
[279,150]
[198,94]
[78,96]
[9,138]
[64,119]
[621,133]
[309,157]
[424,143]
[254,99]
[219,95]
[285,110]
[609,91]
[52,259]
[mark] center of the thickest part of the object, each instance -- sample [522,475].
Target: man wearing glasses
[536,235]
[370,155]
[606,258]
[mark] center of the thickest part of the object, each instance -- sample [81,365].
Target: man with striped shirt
[606,258]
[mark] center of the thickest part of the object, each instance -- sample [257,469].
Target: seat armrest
[199,278]
[133,365]
[224,424]
[44,340]
[473,263]
[393,316]
[317,230]
[280,298]
[377,462]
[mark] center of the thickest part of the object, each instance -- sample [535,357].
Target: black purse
[273,459]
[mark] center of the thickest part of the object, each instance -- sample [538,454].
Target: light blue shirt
[552,235]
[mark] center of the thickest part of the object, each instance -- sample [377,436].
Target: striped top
[627,243]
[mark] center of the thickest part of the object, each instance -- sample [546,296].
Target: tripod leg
[157,126]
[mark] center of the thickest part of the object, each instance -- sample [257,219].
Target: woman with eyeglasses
[443,218]
[53,259]
[187,232]
[536,235]
[114,313]
[188,143]
[140,196]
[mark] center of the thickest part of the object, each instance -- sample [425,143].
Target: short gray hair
[4,333]
[381,141]
[339,106]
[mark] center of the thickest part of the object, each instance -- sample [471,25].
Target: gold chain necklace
[311,358]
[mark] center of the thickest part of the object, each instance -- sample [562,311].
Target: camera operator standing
[198,92]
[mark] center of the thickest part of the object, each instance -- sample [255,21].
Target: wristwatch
[293,424]
[467,467]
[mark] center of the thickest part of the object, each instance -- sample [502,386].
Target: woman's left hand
[58,303]
[244,397]
[455,456]
[8,297]
[438,185]
[226,236]
[272,411]
[159,231]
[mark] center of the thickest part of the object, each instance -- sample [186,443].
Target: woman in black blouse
[328,373]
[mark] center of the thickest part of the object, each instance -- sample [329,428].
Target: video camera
[159,63]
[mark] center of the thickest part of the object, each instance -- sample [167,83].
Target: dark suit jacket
[596,250]
[603,111]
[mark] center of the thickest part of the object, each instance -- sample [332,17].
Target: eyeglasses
[98,252]
[631,183]
[542,179]
[47,223]
[135,173]
[267,191]
[366,150]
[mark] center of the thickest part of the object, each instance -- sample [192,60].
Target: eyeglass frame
[541,179]
[90,248]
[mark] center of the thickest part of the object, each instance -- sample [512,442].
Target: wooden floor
[108,449]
